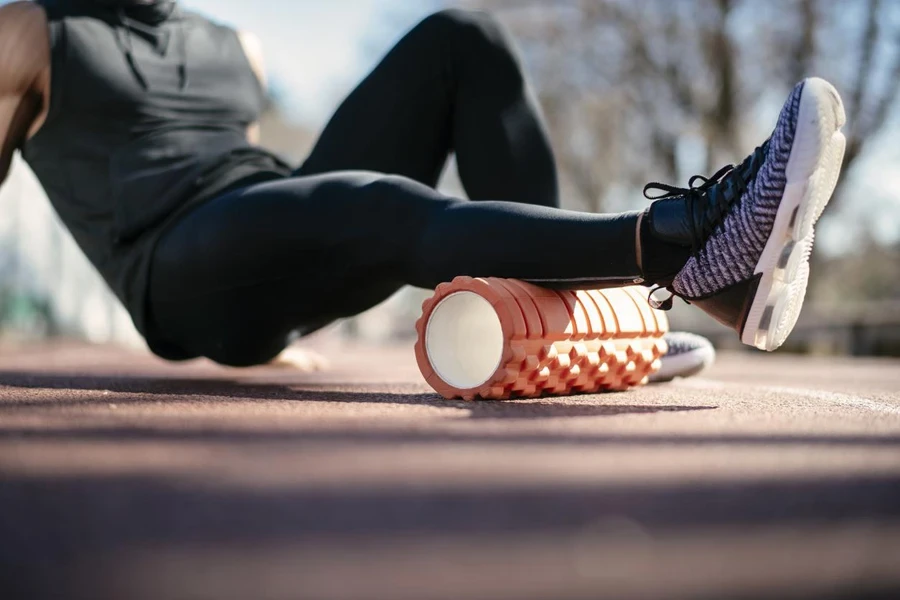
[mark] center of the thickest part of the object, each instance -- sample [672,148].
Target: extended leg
[233,278]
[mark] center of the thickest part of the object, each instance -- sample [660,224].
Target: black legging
[234,278]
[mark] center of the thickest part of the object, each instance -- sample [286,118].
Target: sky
[317,50]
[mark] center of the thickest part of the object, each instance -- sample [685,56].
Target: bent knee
[473,28]
[462,21]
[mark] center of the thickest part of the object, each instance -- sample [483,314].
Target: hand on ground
[301,359]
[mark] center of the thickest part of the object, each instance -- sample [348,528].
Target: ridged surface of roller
[557,342]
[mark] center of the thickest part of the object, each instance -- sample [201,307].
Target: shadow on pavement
[224,390]
[134,391]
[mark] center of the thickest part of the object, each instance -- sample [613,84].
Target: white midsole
[812,171]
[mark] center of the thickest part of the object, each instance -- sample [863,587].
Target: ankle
[659,260]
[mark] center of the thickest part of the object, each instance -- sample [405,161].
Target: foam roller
[496,338]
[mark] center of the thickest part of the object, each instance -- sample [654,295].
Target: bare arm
[253,49]
[24,76]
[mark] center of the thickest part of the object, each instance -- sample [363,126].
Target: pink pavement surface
[121,476]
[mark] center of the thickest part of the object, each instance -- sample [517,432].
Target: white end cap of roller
[464,340]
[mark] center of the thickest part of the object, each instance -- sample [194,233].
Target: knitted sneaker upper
[682,342]
[732,251]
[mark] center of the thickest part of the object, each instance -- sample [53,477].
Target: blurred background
[633,91]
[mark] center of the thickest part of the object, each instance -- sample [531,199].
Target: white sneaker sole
[812,173]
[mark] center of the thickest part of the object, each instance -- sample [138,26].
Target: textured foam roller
[503,338]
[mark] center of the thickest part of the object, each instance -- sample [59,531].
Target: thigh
[233,278]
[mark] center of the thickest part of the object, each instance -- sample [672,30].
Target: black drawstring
[124,41]
[182,57]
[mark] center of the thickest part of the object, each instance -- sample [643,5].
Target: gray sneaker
[688,355]
[750,227]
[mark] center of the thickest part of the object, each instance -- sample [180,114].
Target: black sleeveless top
[148,117]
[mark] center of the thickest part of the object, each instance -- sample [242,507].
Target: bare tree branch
[664,71]
[868,42]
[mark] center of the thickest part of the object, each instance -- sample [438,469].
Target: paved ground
[124,477]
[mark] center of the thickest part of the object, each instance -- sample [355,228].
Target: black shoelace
[719,192]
